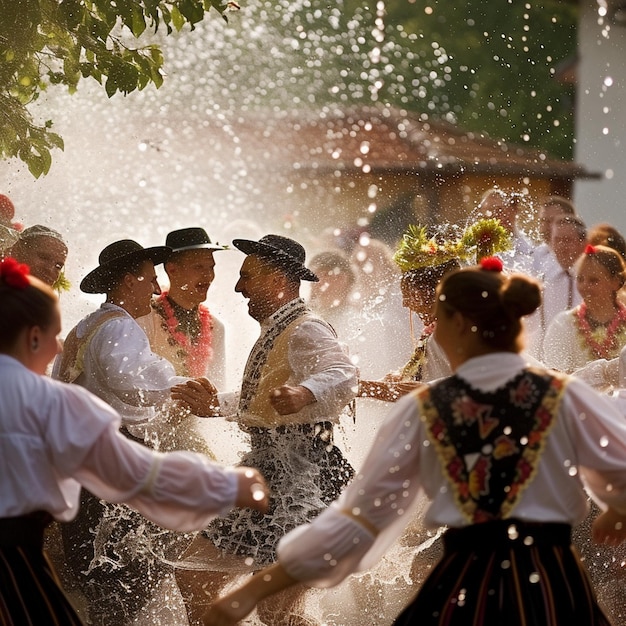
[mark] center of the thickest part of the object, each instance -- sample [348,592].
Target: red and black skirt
[506,572]
[29,589]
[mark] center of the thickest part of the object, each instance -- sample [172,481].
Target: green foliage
[60,42]
[495,65]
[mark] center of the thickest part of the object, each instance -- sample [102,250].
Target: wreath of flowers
[417,250]
[199,353]
[14,274]
[609,346]
[485,238]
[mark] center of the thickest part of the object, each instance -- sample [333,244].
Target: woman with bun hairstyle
[501,450]
[56,437]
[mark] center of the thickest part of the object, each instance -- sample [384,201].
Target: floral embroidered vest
[490,443]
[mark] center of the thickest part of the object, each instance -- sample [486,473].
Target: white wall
[601,118]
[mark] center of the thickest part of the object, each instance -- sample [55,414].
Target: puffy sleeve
[560,348]
[354,532]
[597,425]
[319,363]
[135,374]
[179,490]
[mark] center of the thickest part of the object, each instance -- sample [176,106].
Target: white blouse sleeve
[560,348]
[181,491]
[372,512]
[597,426]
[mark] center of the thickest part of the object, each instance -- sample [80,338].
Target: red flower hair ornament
[14,274]
[491,264]
[589,249]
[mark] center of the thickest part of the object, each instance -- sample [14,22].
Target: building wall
[601,119]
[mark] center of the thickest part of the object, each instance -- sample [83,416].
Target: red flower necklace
[608,347]
[198,353]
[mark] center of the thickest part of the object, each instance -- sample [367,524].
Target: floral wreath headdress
[418,249]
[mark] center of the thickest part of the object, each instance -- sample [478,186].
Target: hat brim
[286,261]
[200,246]
[99,280]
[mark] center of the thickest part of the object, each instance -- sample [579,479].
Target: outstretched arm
[236,605]
[609,528]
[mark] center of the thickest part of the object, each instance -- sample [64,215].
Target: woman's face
[596,286]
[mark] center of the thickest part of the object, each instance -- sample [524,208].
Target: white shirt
[56,437]
[160,340]
[558,284]
[587,439]
[318,362]
[120,367]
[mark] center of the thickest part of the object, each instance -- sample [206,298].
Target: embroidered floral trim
[471,482]
[196,354]
[610,345]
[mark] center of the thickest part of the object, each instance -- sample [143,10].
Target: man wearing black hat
[109,354]
[180,327]
[296,383]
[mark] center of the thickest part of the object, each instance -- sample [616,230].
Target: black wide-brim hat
[286,253]
[115,258]
[191,239]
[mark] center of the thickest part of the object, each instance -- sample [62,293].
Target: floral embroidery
[489,460]
[602,342]
[197,354]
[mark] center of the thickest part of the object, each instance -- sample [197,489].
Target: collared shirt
[120,367]
[55,437]
[587,441]
[559,293]
[318,362]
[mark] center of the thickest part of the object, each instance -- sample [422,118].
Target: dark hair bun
[521,295]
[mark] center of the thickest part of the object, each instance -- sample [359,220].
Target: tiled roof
[387,139]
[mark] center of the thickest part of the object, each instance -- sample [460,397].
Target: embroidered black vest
[490,443]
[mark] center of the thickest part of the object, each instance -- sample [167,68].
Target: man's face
[566,244]
[144,286]
[547,216]
[262,285]
[192,272]
[44,255]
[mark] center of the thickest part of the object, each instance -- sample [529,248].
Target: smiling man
[108,353]
[180,327]
[296,383]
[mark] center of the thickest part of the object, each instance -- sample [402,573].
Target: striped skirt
[29,589]
[506,573]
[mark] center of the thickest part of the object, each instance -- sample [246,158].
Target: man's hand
[198,396]
[252,491]
[287,399]
[609,528]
